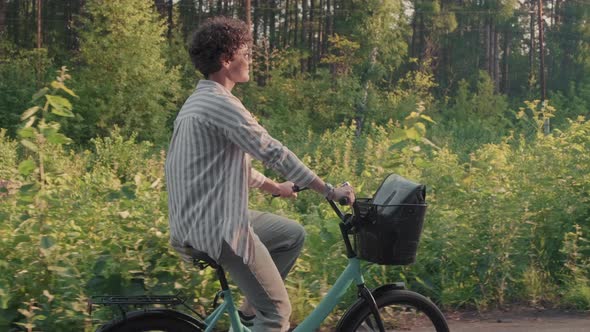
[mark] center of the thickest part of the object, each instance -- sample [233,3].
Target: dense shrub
[123,78]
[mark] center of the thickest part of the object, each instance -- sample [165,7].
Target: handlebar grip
[344,201]
[296,189]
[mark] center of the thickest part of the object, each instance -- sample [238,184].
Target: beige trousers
[277,244]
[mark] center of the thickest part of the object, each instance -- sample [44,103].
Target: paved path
[539,321]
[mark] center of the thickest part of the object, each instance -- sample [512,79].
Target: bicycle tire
[400,310]
[152,321]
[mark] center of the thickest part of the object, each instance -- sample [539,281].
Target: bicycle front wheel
[400,310]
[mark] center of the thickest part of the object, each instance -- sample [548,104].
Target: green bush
[19,70]
[8,156]
[124,80]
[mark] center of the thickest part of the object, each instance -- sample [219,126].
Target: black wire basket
[388,234]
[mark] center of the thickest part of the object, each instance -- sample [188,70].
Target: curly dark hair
[217,39]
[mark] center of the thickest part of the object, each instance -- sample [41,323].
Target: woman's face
[239,66]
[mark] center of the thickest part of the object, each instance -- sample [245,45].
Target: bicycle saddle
[201,258]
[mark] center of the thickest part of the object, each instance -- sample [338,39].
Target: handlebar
[342,201]
[296,189]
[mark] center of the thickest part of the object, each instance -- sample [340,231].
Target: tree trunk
[327,28]
[14,25]
[248,17]
[39,24]
[161,7]
[320,33]
[200,13]
[296,30]
[541,51]
[361,109]
[505,79]
[552,12]
[487,42]
[557,13]
[266,19]
[496,60]
[304,26]
[30,22]
[532,42]
[255,22]
[170,8]
[310,60]
[546,125]
[421,47]
[286,24]
[304,22]
[73,8]
[3,5]
[414,31]
[272,24]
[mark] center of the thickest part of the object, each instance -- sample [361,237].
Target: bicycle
[389,307]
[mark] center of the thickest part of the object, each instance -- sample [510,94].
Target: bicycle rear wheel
[156,321]
[400,310]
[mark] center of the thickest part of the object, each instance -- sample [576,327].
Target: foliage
[8,156]
[475,116]
[576,247]
[342,56]
[508,224]
[385,31]
[124,156]
[20,70]
[124,80]
[289,106]
[508,202]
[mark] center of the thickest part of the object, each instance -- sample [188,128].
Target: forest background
[486,102]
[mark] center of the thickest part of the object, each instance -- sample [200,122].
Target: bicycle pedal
[246,320]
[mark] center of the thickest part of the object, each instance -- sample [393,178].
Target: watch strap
[328,190]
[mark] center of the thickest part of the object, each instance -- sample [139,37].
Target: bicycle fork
[366,295]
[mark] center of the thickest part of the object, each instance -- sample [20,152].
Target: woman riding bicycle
[208,174]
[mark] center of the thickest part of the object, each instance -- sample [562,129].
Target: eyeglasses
[246,54]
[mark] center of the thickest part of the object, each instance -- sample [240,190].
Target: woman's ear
[225,60]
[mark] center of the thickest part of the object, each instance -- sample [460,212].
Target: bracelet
[328,190]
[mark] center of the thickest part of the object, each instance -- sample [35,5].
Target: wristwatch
[328,190]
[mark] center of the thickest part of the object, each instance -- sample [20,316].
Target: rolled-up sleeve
[256,179]
[243,130]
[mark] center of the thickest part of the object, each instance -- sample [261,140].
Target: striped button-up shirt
[208,171]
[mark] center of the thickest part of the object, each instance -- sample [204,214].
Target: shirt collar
[213,87]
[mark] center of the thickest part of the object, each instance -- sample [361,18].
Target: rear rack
[109,300]
[123,302]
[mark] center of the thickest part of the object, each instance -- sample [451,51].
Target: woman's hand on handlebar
[286,190]
[344,194]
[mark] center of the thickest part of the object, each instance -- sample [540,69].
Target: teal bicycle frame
[319,314]
[352,273]
[229,307]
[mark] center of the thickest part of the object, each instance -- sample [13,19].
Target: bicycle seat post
[202,261]
[221,276]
